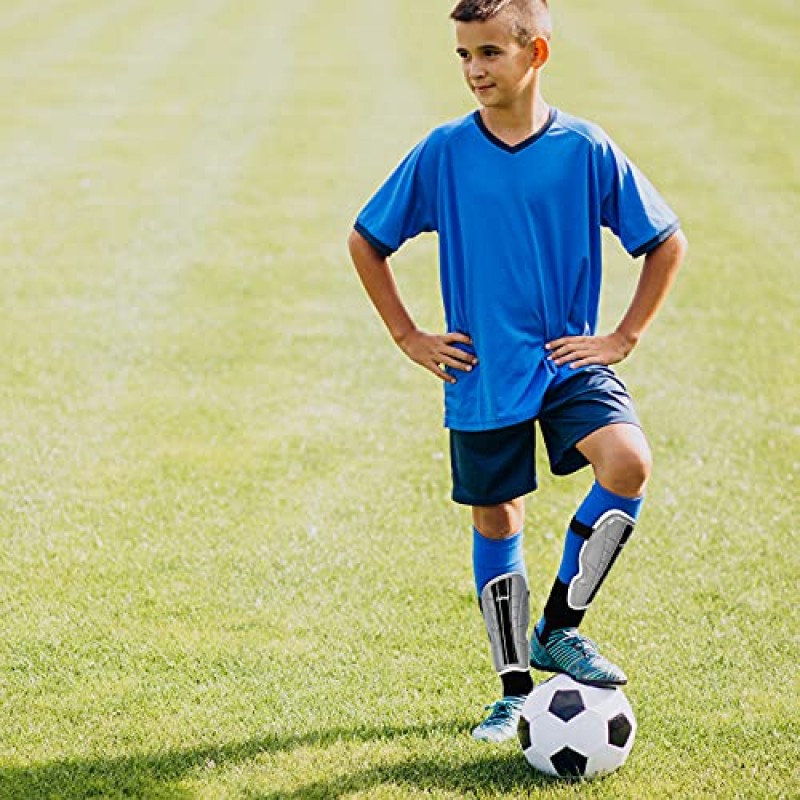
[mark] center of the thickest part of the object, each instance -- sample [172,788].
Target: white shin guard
[505,607]
[598,553]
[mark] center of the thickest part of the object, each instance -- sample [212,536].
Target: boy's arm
[432,351]
[658,274]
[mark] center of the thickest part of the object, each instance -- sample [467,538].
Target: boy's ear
[541,52]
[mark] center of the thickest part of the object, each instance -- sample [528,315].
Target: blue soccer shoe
[501,724]
[568,652]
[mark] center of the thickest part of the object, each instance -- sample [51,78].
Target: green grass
[225,520]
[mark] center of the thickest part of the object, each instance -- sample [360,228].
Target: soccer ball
[570,730]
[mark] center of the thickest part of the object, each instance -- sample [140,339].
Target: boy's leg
[502,587]
[489,467]
[501,582]
[620,457]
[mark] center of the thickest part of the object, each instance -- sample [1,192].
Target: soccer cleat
[568,652]
[501,724]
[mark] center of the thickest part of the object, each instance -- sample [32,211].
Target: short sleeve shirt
[520,247]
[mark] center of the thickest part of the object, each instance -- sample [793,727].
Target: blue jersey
[520,249]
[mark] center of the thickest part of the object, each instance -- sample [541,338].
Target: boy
[518,192]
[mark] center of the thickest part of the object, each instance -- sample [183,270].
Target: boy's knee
[627,474]
[499,521]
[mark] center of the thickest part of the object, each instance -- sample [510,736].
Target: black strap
[579,529]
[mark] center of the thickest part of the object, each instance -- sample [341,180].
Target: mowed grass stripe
[394,108]
[253,342]
[54,32]
[14,17]
[701,166]
[59,273]
[715,141]
[74,516]
[35,61]
[757,45]
[285,208]
[59,278]
[87,101]
[175,227]
[137,252]
[181,334]
[745,82]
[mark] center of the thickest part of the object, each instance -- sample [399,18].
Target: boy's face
[497,68]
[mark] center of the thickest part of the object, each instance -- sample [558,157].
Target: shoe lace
[502,710]
[582,643]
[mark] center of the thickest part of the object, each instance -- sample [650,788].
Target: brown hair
[531,17]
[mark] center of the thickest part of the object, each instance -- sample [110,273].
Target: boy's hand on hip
[578,351]
[437,351]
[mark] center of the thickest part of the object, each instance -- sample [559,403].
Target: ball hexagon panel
[547,733]
[587,733]
[540,763]
[606,760]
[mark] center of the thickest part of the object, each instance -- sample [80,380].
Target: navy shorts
[491,467]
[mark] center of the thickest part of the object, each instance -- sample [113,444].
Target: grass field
[225,519]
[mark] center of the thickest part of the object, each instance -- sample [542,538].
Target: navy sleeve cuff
[382,248]
[656,240]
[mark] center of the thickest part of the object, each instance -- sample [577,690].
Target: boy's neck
[515,124]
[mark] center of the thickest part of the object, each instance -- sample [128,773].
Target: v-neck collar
[516,148]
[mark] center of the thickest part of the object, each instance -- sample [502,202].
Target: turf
[229,563]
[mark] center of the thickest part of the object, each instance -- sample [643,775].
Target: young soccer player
[518,192]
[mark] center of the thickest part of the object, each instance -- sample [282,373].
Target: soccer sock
[557,611]
[494,557]
[490,559]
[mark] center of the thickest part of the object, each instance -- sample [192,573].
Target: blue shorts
[491,467]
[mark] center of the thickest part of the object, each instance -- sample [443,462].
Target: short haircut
[531,17]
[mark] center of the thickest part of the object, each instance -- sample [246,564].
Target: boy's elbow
[672,250]
[361,248]
[354,241]
[681,243]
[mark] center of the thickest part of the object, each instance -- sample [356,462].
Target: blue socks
[557,613]
[494,557]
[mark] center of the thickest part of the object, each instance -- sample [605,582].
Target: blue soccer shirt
[520,249]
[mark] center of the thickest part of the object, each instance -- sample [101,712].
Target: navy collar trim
[516,147]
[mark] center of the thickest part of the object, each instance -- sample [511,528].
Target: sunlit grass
[230,566]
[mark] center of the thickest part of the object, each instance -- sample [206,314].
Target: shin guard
[602,545]
[504,604]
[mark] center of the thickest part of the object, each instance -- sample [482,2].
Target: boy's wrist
[401,337]
[629,339]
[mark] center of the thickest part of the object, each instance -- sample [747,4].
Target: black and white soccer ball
[570,730]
